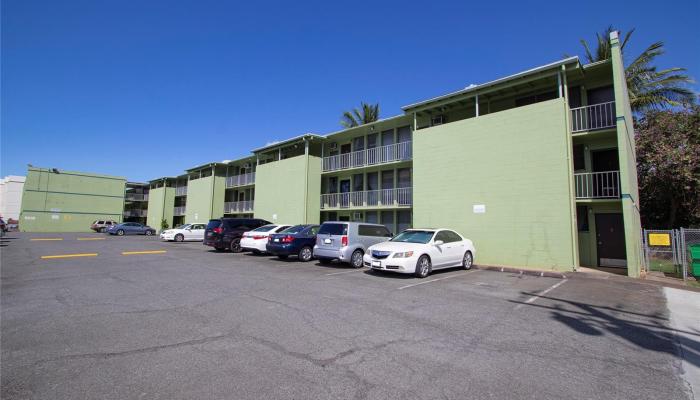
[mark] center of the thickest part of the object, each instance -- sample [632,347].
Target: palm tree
[647,87]
[359,116]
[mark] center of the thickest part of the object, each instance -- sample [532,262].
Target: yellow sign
[659,239]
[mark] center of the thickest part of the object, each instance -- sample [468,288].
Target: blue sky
[145,89]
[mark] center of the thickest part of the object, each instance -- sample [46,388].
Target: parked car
[189,232]
[297,240]
[102,225]
[256,240]
[226,233]
[3,227]
[347,241]
[420,251]
[130,228]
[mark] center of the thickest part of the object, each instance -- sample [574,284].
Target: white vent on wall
[357,215]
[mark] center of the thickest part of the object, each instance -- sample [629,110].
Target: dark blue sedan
[297,240]
[130,228]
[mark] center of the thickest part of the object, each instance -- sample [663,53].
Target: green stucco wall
[515,163]
[161,202]
[205,199]
[289,189]
[628,164]
[69,201]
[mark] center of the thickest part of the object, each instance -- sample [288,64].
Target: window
[404,134]
[582,218]
[357,182]
[442,235]
[314,230]
[372,217]
[579,158]
[294,229]
[403,177]
[437,120]
[358,143]
[388,137]
[387,218]
[453,236]
[373,230]
[333,229]
[414,237]
[372,140]
[403,220]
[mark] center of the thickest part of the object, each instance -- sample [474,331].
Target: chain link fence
[670,252]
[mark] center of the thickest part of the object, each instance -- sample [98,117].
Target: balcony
[385,198]
[597,116]
[234,207]
[179,211]
[136,197]
[240,180]
[181,191]
[136,213]
[362,158]
[597,185]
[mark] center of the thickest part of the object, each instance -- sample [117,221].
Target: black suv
[225,233]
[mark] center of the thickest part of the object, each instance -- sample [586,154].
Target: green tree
[164,224]
[359,116]
[649,88]
[668,165]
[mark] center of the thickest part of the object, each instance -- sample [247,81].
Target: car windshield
[183,226]
[294,229]
[413,237]
[265,228]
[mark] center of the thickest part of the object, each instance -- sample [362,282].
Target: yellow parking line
[71,255]
[91,238]
[129,253]
[43,239]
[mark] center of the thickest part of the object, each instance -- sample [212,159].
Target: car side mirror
[438,242]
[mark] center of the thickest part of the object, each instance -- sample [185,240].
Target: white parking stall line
[346,272]
[540,294]
[437,279]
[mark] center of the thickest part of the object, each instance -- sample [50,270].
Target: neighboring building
[11,188]
[136,202]
[538,168]
[66,201]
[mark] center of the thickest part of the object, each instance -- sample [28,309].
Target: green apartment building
[537,168]
[67,201]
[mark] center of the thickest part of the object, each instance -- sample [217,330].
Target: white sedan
[420,251]
[256,240]
[189,232]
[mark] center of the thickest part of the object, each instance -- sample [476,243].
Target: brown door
[610,239]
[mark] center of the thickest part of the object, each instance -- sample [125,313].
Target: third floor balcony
[593,117]
[240,180]
[362,158]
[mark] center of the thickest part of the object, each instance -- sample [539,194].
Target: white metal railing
[137,196]
[178,211]
[596,116]
[398,197]
[135,213]
[378,155]
[597,185]
[181,191]
[232,207]
[240,180]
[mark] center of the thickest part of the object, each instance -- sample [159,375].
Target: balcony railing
[179,211]
[136,197]
[181,191]
[597,185]
[135,213]
[597,116]
[233,207]
[378,155]
[399,197]
[240,180]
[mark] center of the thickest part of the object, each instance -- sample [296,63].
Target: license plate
[376,264]
[277,240]
[327,241]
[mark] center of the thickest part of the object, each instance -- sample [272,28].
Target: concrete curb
[521,271]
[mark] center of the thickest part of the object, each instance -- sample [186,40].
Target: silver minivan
[347,241]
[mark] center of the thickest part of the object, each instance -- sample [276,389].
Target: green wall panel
[161,202]
[516,164]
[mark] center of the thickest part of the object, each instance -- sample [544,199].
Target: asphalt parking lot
[133,317]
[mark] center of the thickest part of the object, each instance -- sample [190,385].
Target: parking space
[181,321]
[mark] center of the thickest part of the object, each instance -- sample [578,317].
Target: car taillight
[287,239]
[258,237]
[344,241]
[217,230]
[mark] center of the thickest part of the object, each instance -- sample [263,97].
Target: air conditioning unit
[246,165]
[357,215]
[333,146]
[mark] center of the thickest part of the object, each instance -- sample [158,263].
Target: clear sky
[144,89]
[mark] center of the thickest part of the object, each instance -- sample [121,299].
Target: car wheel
[257,252]
[149,233]
[356,258]
[120,232]
[282,256]
[235,246]
[423,267]
[306,254]
[325,260]
[467,260]
[103,230]
[179,237]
